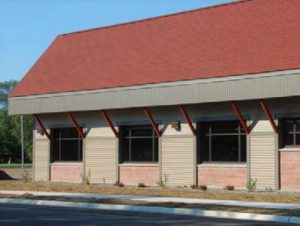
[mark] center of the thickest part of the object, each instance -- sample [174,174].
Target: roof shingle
[244,37]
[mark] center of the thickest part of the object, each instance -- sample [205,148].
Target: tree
[10,143]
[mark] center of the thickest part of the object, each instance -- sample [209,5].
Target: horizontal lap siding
[41,159]
[177,160]
[101,159]
[263,160]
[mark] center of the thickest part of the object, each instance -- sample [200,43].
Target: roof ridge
[158,17]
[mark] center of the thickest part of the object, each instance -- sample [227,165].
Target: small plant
[119,184]
[86,178]
[251,184]
[229,187]
[163,181]
[268,189]
[203,187]
[25,176]
[141,185]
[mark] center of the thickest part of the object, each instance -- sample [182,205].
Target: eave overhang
[232,88]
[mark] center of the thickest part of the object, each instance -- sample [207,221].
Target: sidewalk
[261,205]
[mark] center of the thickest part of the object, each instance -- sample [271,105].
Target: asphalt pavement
[36,215]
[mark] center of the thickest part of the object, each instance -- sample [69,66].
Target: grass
[14,165]
[278,197]
[169,204]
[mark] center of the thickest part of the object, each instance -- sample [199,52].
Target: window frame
[59,140]
[200,147]
[130,137]
[282,130]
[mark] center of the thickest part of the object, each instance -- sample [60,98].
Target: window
[289,132]
[138,144]
[221,141]
[66,145]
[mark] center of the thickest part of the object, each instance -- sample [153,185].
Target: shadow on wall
[5,176]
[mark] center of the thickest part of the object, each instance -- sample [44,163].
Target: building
[209,97]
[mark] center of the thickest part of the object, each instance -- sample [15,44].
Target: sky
[27,27]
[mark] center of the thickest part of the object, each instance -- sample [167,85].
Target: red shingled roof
[242,37]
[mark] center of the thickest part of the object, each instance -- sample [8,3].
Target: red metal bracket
[154,125]
[187,119]
[76,125]
[38,120]
[268,114]
[239,115]
[108,121]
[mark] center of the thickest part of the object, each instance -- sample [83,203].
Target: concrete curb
[261,205]
[162,210]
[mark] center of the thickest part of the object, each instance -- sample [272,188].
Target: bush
[251,185]
[25,176]
[229,187]
[141,185]
[119,184]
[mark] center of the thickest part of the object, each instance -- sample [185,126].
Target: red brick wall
[290,170]
[135,174]
[66,172]
[218,176]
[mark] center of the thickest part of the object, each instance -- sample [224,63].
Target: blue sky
[27,27]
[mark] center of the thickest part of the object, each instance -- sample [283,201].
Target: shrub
[229,187]
[25,176]
[119,184]
[86,178]
[203,187]
[251,185]
[141,185]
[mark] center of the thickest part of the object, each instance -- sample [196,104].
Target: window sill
[130,164]
[297,148]
[222,164]
[66,163]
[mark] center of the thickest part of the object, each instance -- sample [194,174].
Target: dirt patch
[13,173]
[279,197]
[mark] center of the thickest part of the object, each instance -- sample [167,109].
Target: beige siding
[177,159]
[263,160]
[101,159]
[41,160]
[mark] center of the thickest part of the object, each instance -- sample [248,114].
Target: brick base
[219,176]
[66,172]
[290,170]
[135,174]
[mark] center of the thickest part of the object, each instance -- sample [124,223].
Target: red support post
[239,115]
[38,120]
[108,121]
[154,125]
[268,114]
[76,125]
[187,119]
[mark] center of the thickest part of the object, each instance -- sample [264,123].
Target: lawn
[14,165]
[279,197]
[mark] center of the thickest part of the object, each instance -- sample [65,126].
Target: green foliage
[10,138]
[251,185]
